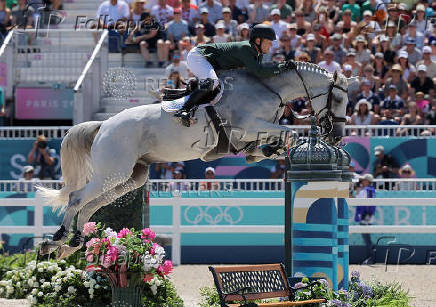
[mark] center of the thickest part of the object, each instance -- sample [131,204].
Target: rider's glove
[284,66]
[290,64]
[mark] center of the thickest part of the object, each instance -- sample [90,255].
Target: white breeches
[201,67]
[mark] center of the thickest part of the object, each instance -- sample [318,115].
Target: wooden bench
[253,282]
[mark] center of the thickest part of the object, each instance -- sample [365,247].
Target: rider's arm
[258,69]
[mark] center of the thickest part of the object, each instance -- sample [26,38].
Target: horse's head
[330,107]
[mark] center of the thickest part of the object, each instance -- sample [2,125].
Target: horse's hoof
[48,247]
[76,240]
[268,150]
[61,234]
[65,251]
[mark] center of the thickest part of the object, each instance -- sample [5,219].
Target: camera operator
[43,158]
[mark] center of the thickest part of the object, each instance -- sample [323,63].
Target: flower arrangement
[66,283]
[129,258]
[52,284]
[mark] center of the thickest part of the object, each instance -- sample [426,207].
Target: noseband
[329,117]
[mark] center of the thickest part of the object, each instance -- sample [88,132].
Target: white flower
[91,291]
[71,290]
[149,262]
[157,281]
[36,284]
[40,270]
[57,288]
[153,289]
[2,290]
[109,233]
[18,284]
[46,284]
[30,282]
[9,290]
[40,293]
[86,284]
[34,291]
[97,286]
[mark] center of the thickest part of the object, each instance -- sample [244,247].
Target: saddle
[169,94]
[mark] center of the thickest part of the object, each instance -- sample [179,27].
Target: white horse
[101,161]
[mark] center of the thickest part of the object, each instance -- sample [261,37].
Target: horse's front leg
[272,141]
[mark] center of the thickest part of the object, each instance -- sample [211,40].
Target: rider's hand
[290,65]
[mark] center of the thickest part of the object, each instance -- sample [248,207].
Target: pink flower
[147,233]
[89,228]
[124,233]
[94,245]
[153,248]
[148,277]
[113,253]
[90,257]
[166,268]
[105,261]
[106,240]
[92,242]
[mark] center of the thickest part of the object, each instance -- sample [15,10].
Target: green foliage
[389,295]
[126,212]
[166,297]
[9,262]
[209,297]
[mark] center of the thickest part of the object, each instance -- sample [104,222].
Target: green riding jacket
[237,55]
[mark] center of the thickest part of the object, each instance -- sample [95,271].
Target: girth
[224,143]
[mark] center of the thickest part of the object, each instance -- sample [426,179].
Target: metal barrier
[87,99]
[7,59]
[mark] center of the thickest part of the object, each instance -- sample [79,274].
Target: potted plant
[129,258]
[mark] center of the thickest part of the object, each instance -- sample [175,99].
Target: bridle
[329,117]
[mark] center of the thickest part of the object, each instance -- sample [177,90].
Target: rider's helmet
[262,31]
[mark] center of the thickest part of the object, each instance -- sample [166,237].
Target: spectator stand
[42,68]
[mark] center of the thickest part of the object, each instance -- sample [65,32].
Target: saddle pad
[175,105]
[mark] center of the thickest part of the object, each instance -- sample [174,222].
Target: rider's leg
[208,81]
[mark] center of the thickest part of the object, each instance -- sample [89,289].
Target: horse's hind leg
[106,177]
[138,179]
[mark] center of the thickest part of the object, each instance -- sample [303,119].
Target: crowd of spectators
[27,14]
[390,47]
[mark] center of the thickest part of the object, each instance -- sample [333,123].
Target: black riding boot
[197,97]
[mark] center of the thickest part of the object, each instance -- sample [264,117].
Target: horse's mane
[301,66]
[313,68]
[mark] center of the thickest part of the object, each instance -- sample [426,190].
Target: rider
[204,59]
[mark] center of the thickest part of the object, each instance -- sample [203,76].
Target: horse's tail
[75,164]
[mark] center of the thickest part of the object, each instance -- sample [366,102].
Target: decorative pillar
[318,222]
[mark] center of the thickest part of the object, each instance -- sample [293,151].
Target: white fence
[195,185]
[361,130]
[177,229]
[24,133]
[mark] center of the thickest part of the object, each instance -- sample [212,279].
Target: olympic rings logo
[213,215]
